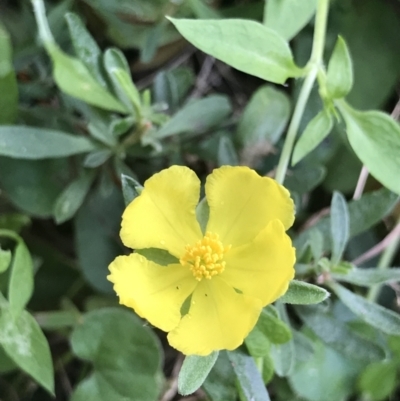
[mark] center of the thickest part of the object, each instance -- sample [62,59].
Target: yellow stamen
[205,257]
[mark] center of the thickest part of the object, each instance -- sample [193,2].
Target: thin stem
[41,20]
[384,262]
[294,125]
[362,179]
[313,66]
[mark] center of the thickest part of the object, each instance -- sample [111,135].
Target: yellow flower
[242,262]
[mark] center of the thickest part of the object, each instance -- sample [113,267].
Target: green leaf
[21,280]
[375,138]
[363,213]
[203,213]
[6,363]
[245,45]
[227,155]
[283,355]
[5,259]
[71,199]
[368,277]
[97,226]
[324,376]
[341,338]
[197,116]
[118,70]
[97,158]
[220,384]
[273,328]
[305,178]
[58,319]
[378,380]
[248,376]
[340,71]
[159,256]
[26,345]
[265,117]
[194,371]
[85,46]
[373,314]
[125,353]
[40,143]
[339,227]
[33,186]
[131,189]
[257,343]
[315,132]
[316,244]
[74,79]
[8,81]
[288,17]
[301,293]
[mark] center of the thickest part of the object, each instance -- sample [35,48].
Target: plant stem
[384,262]
[44,29]
[313,66]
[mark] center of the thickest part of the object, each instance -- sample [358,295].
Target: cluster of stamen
[205,257]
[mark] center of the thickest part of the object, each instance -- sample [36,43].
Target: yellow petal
[155,292]
[242,203]
[163,216]
[219,318]
[263,267]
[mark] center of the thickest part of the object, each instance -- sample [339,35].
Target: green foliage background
[109,93]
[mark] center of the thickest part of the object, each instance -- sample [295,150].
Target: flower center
[205,257]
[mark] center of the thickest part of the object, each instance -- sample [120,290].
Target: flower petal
[163,216]
[155,292]
[219,318]
[263,267]
[242,203]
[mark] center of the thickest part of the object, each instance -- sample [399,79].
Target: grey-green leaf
[125,353]
[340,71]
[336,334]
[373,314]
[26,345]
[265,117]
[315,132]
[118,70]
[339,227]
[302,293]
[249,377]
[40,143]
[72,198]
[21,280]
[288,17]
[194,371]
[227,155]
[5,259]
[245,45]
[368,277]
[197,116]
[8,81]
[85,46]
[74,79]
[375,138]
[131,189]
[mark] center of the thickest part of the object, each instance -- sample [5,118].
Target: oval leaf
[245,45]
[336,334]
[339,226]
[26,345]
[249,377]
[315,132]
[301,293]
[368,277]
[288,17]
[373,314]
[40,143]
[194,371]
[340,71]
[21,280]
[375,138]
